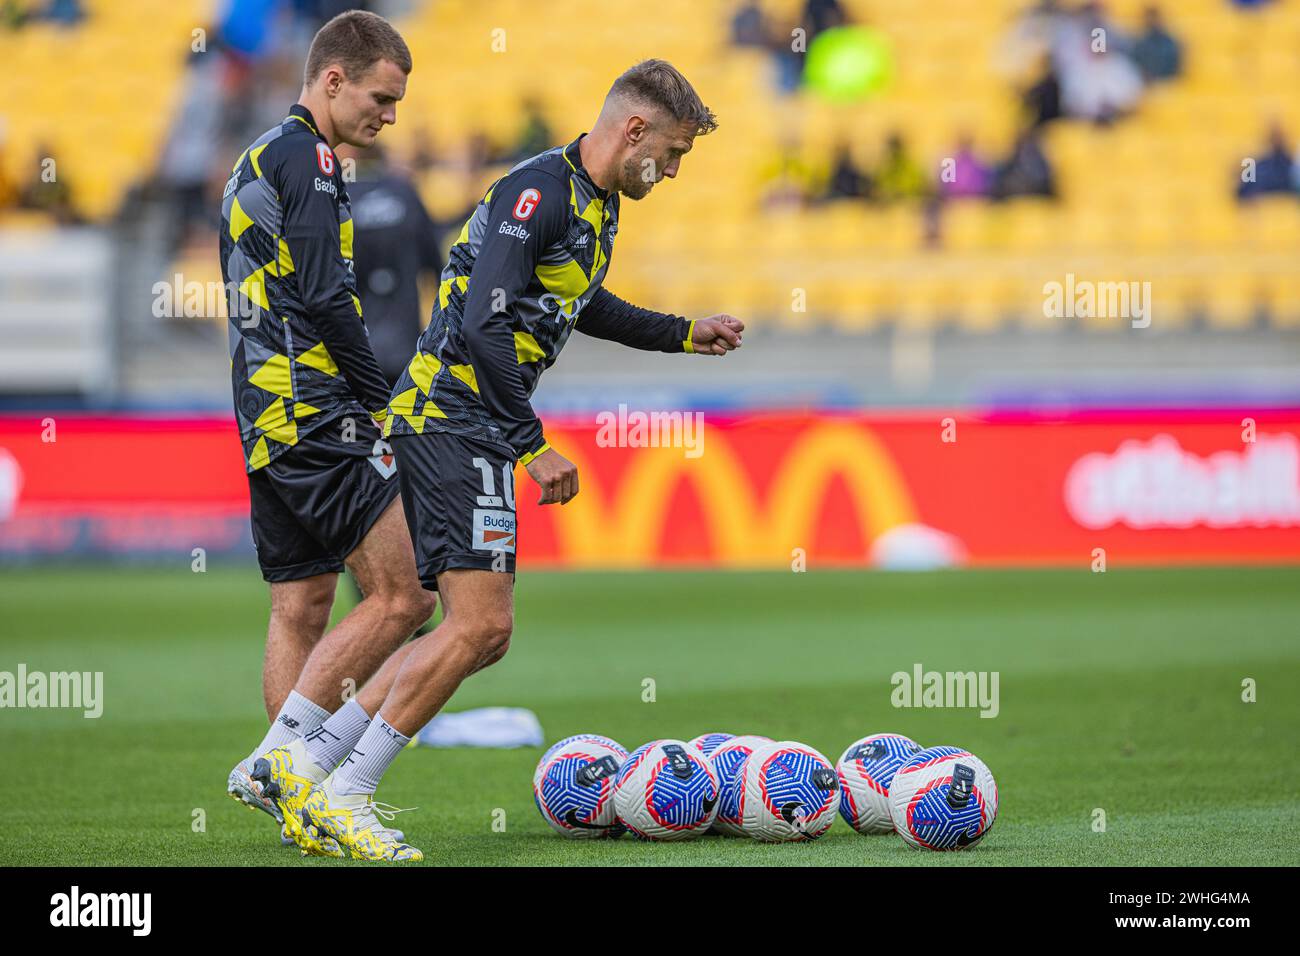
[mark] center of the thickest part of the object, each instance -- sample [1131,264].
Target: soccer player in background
[309,397]
[526,270]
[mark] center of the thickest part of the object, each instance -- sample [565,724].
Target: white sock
[376,749]
[297,716]
[334,739]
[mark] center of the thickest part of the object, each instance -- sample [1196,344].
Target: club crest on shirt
[325,159]
[526,204]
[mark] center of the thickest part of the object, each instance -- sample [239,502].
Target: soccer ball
[574,788]
[725,760]
[612,744]
[707,743]
[788,791]
[944,798]
[666,791]
[865,772]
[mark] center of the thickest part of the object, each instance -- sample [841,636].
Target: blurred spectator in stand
[535,136]
[187,161]
[1157,54]
[787,180]
[900,176]
[788,61]
[1026,172]
[423,155]
[748,27]
[395,244]
[48,193]
[1031,38]
[1099,81]
[1100,86]
[66,13]
[477,154]
[847,179]
[1277,171]
[969,176]
[789,47]
[14,14]
[1043,99]
[819,15]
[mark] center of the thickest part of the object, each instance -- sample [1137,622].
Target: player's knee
[412,607]
[489,637]
[305,609]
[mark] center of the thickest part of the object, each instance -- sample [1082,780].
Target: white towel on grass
[482,727]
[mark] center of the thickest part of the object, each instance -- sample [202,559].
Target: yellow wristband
[525,459]
[380,415]
[687,346]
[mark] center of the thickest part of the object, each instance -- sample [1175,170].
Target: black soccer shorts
[314,504]
[458,492]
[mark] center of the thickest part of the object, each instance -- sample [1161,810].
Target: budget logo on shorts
[494,530]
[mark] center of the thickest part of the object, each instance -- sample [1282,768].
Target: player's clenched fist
[716,335]
[555,475]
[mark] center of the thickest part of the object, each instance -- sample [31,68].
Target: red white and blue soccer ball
[707,743]
[944,798]
[865,771]
[725,761]
[585,739]
[666,791]
[788,792]
[573,786]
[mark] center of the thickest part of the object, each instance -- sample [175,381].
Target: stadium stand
[94,70]
[1151,195]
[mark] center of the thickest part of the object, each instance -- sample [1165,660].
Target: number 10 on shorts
[494,526]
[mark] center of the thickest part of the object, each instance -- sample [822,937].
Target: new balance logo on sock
[288,721]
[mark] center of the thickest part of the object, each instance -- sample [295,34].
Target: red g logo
[325,159]
[526,203]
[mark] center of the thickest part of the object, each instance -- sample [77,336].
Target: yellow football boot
[353,821]
[286,775]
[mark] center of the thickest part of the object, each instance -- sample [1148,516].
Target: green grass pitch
[1119,691]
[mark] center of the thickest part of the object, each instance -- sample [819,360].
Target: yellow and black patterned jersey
[526,269]
[299,353]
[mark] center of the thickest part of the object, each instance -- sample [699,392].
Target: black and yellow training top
[525,271]
[299,352]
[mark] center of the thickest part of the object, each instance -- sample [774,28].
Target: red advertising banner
[915,489]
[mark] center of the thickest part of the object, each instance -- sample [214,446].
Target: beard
[634,185]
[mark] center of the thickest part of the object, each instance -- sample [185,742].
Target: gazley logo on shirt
[526,204]
[325,159]
[494,530]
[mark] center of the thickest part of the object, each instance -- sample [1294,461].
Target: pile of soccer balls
[589,787]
